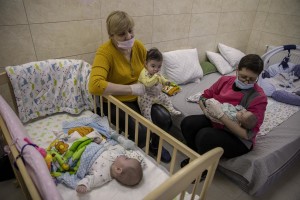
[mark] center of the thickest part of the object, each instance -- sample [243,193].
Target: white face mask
[128,44]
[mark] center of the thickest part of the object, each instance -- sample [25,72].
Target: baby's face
[153,66]
[243,115]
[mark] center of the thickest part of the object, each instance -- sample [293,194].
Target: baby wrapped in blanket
[102,162]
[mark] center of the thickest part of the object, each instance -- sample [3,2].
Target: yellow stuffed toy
[171,89]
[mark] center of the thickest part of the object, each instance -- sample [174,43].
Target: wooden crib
[175,186]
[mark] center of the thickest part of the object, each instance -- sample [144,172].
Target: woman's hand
[138,89]
[214,108]
[206,113]
[154,90]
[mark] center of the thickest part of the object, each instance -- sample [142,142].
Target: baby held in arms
[150,76]
[236,113]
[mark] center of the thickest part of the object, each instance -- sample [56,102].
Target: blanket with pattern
[46,87]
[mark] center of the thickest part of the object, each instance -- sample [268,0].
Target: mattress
[42,132]
[272,155]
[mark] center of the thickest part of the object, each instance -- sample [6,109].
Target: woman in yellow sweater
[115,71]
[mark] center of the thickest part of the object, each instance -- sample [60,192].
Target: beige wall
[33,30]
[277,22]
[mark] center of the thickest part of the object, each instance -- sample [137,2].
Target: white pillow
[232,55]
[221,64]
[182,66]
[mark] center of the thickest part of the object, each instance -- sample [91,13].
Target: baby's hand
[98,140]
[81,189]
[168,83]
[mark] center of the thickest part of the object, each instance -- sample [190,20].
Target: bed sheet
[41,133]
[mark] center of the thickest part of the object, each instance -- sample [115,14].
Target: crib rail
[185,176]
[22,176]
[181,177]
[169,189]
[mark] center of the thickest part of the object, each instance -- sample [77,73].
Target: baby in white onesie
[116,162]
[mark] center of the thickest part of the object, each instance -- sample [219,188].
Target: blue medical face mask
[242,85]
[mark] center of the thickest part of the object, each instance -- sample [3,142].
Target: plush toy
[61,147]
[41,150]
[171,89]
[75,151]
[48,160]
[126,143]
[52,144]
[62,163]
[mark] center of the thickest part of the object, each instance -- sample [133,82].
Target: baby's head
[247,119]
[127,171]
[154,60]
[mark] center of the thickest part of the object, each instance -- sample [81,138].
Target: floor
[222,188]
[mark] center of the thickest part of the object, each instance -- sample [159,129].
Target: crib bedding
[46,87]
[273,152]
[44,131]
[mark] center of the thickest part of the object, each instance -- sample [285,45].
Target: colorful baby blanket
[51,86]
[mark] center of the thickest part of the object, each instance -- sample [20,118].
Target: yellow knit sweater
[110,65]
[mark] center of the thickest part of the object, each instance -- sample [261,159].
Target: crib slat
[34,194]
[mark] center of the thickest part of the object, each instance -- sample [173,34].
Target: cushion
[221,64]
[232,55]
[296,70]
[266,85]
[208,68]
[286,97]
[182,66]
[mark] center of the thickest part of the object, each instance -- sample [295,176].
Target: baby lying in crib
[102,161]
[114,163]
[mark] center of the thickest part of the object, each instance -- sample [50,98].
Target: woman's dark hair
[154,54]
[252,62]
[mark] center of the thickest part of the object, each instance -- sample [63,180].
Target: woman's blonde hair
[118,22]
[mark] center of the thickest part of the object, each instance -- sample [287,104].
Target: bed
[41,126]
[278,144]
